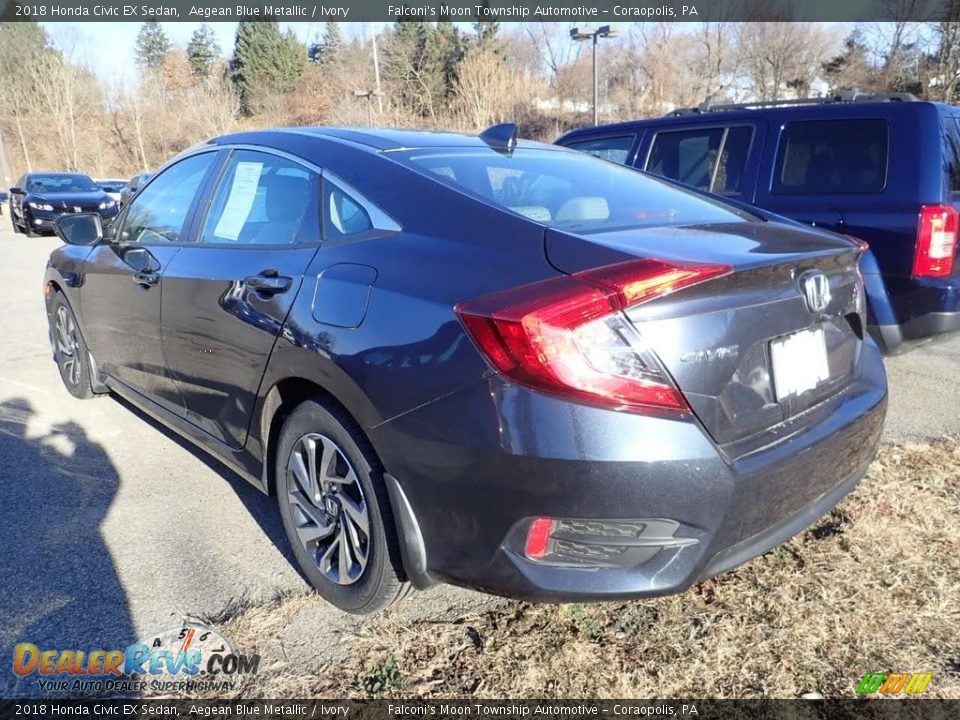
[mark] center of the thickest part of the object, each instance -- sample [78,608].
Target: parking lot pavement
[111,527]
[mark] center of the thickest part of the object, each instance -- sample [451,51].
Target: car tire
[28,228]
[326,503]
[69,349]
[13,221]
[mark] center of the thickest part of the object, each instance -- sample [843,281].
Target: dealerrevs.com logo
[188,657]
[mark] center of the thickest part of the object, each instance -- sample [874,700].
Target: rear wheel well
[280,402]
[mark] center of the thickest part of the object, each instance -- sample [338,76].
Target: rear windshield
[571,191]
[60,184]
[832,157]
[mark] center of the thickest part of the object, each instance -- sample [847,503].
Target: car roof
[725,116]
[382,139]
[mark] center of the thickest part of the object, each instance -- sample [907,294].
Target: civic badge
[816,290]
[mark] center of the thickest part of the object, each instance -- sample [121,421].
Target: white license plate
[799,362]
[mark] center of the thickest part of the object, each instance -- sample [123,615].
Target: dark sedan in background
[40,198]
[503,365]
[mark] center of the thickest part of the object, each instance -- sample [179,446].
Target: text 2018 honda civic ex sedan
[502,365]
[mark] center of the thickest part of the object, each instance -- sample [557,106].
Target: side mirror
[80,229]
[16,191]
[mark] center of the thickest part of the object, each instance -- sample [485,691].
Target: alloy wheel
[68,346]
[328,508]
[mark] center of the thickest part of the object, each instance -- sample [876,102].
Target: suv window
[832,156]
[263,199]
[614,149]
[951,152]
[159,212]
[712,159]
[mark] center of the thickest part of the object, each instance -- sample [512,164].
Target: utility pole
[369,95]
[585,33]
[376,75]
[4,164]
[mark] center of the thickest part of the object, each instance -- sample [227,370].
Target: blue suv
[882,168]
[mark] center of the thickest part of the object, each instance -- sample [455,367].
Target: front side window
[569,190]
[264,199]
[614,149]
[832,157]
[712,159]
[158,214]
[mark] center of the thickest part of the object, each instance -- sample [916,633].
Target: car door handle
[146,278]
[268,283]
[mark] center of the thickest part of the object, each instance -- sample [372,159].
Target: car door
[226,296]
[122,288]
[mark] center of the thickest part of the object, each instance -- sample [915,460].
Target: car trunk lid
[733,344]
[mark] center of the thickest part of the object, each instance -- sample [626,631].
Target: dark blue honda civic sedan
[493,363]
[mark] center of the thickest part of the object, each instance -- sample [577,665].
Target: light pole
[585,33]
[369,95]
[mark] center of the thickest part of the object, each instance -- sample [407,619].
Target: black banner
[480,709]
[585,11]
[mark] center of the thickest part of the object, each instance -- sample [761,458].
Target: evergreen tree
[452,50]
[486,32]
[413,64]
[327,51]
[152,46]
[202,51]
[265,60]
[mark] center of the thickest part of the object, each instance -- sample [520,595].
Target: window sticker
[246,179]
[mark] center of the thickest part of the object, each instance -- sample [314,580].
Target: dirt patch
[872,587]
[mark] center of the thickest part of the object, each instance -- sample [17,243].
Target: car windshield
[61,183]
[570,191]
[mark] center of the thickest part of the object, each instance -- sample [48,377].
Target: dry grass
[874,587]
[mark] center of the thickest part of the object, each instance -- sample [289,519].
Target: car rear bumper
[478,465]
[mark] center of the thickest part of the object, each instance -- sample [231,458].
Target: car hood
[70,198]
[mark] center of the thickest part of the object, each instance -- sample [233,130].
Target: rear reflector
[936,241]
[538,538]
[568,336]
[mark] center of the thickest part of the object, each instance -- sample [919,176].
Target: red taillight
[936,241]
[538,538]
[568,336]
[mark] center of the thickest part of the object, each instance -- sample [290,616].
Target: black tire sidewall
[82,390]
[369,593]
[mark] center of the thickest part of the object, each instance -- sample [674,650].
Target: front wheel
[28,227]
[69,350]
[335,510]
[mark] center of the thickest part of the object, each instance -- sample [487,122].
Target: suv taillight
[568,335]
[936,241]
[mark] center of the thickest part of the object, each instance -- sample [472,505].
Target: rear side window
[832,157]
[614,149]
[951,152]
[263,199]
[349,215]
[712,159]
